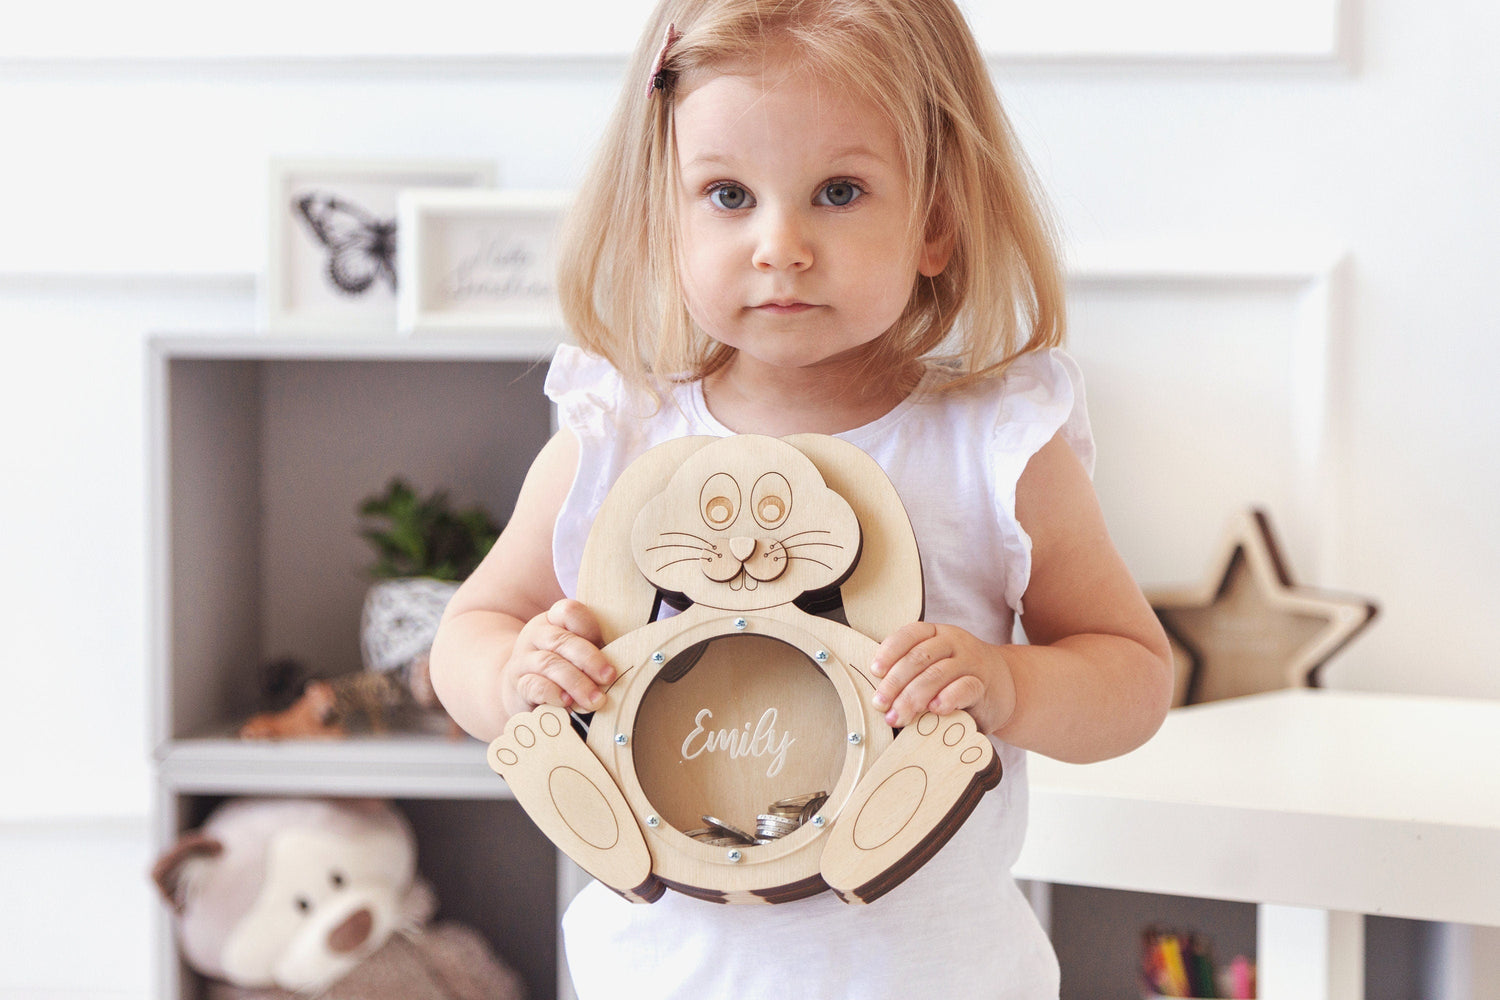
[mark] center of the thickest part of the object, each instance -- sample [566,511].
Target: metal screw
[653,821]
[621,739]
[821,656]
[734,857]
[818,820]
[658,657]
[741,624]
[854,738]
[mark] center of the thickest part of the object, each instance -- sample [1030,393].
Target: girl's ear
[935,256]
[937,248]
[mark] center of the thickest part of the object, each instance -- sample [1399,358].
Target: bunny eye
[336,879]
[304,905]
[771,500]
[720,501]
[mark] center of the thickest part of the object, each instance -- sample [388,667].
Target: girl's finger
[898,644]
[578,651]
[964,692]
[578,687]
[576,617]
[913,663]
[537,689]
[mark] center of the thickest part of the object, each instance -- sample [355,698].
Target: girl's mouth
[785,307]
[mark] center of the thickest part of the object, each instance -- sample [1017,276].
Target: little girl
[798,205]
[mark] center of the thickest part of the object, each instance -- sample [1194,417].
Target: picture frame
[333,237]
[479,262]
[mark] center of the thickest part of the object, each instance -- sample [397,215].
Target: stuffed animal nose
[352,933]
[741,548]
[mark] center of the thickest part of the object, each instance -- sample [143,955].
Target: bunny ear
[608,580]
[173,871]
[885,590]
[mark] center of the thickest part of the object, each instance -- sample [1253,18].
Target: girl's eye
[730,197]
[838,193]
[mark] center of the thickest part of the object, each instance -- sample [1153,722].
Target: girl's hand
[556,661]
[925,667]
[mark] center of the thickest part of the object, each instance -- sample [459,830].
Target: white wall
[1323,190]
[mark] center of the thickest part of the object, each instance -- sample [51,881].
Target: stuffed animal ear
[173,872]
[885,590]
[419,904]
[608,580]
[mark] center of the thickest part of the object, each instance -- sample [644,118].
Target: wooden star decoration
[1247,628]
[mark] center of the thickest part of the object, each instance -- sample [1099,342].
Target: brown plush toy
[283,898]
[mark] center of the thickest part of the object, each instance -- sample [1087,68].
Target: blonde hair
[1001,293]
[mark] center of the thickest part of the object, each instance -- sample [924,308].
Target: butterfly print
[361,248]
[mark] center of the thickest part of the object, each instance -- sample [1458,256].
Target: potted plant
[424,548]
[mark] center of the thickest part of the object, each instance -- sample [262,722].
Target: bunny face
[746,528]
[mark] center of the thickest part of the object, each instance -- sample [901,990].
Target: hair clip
[657,80]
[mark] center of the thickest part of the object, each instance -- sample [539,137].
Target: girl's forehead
[783,75]
[782,100]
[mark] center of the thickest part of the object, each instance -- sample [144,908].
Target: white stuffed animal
[317,897]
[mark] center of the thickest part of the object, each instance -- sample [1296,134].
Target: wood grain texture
[790,559]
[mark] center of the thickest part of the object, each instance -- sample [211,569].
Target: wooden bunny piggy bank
[738,757]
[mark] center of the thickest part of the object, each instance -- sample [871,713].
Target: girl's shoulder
[587,387]
[575,372]
[1039,394]
[599,404]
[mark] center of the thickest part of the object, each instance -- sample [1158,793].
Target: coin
[775,826]
[796,802]
[811,807]
[726,830]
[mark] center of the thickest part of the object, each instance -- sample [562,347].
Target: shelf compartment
[261,452]
[488,864]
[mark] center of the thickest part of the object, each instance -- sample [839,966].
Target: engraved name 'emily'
[747,742]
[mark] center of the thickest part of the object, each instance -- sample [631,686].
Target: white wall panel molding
[1233,30]
[163,280]
[1257,416]
[1217,367]
[1272,31]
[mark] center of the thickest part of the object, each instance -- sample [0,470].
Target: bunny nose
[741,548]
[352,933]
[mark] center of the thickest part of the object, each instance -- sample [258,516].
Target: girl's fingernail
[881,701]
[891,718]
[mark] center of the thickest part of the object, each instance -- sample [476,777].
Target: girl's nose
[781,244]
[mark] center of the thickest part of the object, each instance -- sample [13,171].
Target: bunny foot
[915,797]
[568,793]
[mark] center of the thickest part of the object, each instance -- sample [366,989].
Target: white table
[1321,806]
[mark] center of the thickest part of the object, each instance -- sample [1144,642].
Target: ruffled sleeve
[614,424]
[1042,394]
[590,395]
[585,387]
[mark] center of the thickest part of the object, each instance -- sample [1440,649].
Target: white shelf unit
[261,448]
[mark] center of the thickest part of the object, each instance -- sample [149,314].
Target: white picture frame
[476,262]
[331,266]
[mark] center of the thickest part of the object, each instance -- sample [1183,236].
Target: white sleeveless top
[958,928]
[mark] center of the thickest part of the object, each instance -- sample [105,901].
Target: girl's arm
[509,641]
[1096,680]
